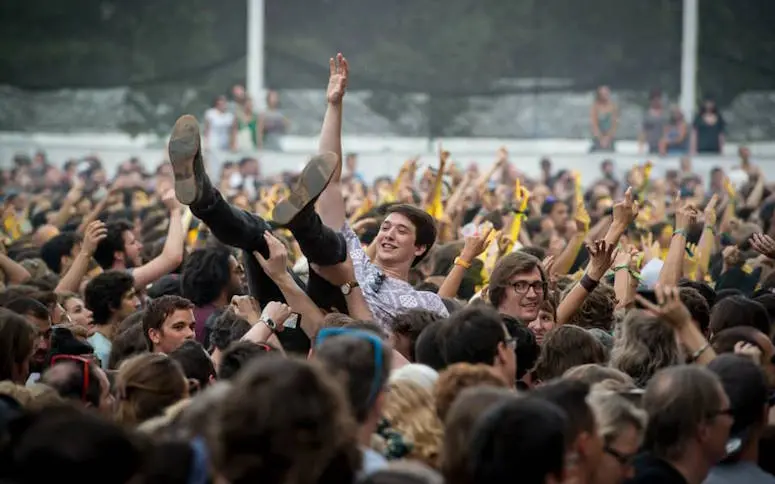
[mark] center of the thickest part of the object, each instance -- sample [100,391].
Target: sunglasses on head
[78,360]
[376,344]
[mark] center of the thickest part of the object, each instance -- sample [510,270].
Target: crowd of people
[440,325]
[662,131]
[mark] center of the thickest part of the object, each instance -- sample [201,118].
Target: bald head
[44,234]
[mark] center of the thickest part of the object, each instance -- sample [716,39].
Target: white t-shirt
[220,128]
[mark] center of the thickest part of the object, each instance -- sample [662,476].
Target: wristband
[711,228]
[462,263]
[679,232]
[696,355]
[588,283]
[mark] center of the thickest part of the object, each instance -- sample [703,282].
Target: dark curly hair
[206,273]
[597,310]
[104,293]
[112,243]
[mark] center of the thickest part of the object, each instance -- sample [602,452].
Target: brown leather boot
[313,180]
[186,158]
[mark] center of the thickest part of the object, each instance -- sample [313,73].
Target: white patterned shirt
[386,296]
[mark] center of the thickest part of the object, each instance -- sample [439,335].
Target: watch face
[270,323]
[346,288]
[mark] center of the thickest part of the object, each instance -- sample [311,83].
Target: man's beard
[37,364]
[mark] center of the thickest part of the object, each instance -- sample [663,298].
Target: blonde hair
[614,412]
[34,397]
[457,378]
[411,411]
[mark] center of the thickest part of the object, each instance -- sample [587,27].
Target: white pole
[255,74]
[689,44]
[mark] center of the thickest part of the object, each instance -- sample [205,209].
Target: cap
[746,387]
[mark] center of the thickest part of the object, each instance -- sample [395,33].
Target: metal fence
[483,68]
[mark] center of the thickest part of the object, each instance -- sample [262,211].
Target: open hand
[763,244]
[337,79]
[669,307]
[601,256]
[277,263]
[94,233]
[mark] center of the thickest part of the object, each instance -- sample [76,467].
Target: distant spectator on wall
[247,125]
[220,127]
[709,127]
[654,122]
[272,124]
[604,117]
[676,136]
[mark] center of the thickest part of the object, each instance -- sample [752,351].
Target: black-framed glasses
[522,287]
[621,458]
[376,343]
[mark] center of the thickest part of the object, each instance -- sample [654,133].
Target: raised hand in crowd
[278,312]
[276,265]
[686,214]
[669,307]
[475,245]
[763,244]
[601,256]
[94,234]
[339,72]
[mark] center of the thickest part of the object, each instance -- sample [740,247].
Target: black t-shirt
[708,134]
[650,469]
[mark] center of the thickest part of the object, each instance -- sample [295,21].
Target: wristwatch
[269,323]
[348,287]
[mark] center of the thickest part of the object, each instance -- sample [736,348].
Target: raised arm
[330,205]
[71,281]
[171,255]
[276,267]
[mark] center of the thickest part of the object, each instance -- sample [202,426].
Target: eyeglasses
[522,287]
[376,344]
[623,459]
[78,360]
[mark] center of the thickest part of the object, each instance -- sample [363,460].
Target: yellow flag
[488,261]
[523,196]
[435,207]
[362,210]
[729,188]
[12,227]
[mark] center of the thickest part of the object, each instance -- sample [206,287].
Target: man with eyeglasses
[518,286]
[689,420]
[746,386]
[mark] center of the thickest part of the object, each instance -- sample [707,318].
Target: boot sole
[313,180]
[183,149]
